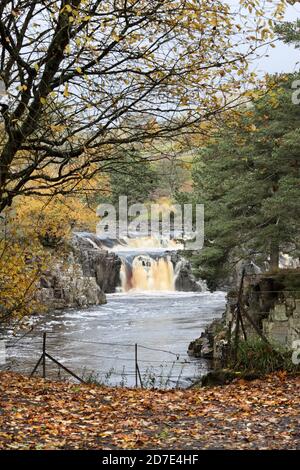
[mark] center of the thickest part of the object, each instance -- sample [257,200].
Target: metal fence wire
[47,343]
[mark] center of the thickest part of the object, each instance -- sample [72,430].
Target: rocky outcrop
[205,345]
[283,323]
[89,271]
[272,301]
[81,277]
[184,279]
[106,265]
[67,286]
[97,262]
[201,347]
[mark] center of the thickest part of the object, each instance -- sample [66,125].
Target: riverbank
[39,414]
[259,328]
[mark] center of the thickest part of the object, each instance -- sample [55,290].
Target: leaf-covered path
[38,414]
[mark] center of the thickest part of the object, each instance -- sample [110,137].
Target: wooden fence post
[44,355]
[239,319]
[136,365]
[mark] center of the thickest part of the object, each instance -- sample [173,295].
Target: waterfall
[146,273]
[138,264]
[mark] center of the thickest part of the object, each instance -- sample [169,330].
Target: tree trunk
[274,255]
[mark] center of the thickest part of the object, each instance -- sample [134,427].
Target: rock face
[82,278]
[89,271]
[272,302]
[106,265]
[205,345]
[201,347]
[66,286]
[283,324]
[97,262]
[184,279]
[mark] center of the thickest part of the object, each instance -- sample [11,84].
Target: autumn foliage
[34,234]
[38,414]
[85,78]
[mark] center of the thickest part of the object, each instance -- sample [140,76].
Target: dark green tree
[248,179]
[289,32]
[132,176]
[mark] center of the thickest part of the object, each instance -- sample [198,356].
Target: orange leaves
[56,216]
[282,375]
[49,415]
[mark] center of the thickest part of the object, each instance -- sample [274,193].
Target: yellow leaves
[43,100]
[252,128]
[55,216]
[213,21]
[133,38]
[67,8]
[115,37]
[66,91]
[185,165]
[86,18]
[254,94]
[36,67]
[204,125]
[151,126]
[265,33]
[23,257]
[79,70]
[68,49]
[280,9]
[255,6]
[22,87]
[57,127]
[18,275]
[273,97]
[184,100]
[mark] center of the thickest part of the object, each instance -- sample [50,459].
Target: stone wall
[283,323]
[272,302]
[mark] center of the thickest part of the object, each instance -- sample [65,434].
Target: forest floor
[40,414]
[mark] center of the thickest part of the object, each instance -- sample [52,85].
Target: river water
[99,343]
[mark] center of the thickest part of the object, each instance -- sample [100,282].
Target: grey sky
[283,58]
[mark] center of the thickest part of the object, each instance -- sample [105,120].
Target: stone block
[290,306]
[293,331]
[296,313]
[279,313]
[277,332]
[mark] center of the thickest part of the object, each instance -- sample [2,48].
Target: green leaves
[248,179]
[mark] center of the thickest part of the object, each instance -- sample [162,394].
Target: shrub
[255,355]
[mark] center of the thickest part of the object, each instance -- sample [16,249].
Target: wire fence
[47,348]
[152,372]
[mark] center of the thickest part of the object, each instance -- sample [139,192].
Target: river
[99,343]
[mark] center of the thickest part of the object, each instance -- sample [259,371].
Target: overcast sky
[283,58]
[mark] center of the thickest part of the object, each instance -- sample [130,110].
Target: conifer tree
[248,179]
